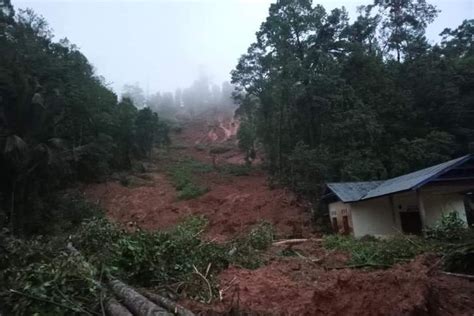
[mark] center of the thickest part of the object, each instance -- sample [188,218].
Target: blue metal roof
[352,191]
[358,191]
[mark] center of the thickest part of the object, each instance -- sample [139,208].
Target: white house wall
[338,210]
[437,204]
[374,217]
[381,216]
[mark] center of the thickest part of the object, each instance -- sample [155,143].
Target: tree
[402,23]
[58,121]
[326,98]
[135,93]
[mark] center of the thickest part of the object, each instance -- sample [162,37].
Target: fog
[165,45]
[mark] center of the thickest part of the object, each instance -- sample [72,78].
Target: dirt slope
[232,205]
[286,285]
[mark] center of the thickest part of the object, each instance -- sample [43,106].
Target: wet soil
[312,281]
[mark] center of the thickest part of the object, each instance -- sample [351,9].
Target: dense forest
[331,99]
[59,122]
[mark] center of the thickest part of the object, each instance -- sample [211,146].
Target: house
[403,204]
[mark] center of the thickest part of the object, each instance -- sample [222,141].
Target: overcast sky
[163,44]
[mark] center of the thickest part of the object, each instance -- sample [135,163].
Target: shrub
[47,280]
[191,191]
[236,170]
[449,228]
[261,236]
[246,251]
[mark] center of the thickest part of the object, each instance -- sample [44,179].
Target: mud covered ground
[313,282]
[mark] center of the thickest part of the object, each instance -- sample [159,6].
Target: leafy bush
[46,279]
[245,251]
[261,236]
[37,278]
[191,191]
[461,258]
[449,228]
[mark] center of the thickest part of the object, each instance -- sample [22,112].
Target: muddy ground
[314,283]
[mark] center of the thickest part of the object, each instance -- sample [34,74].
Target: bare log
[114,308]
[459,275]
[134,301]
[290,242]
[168,304]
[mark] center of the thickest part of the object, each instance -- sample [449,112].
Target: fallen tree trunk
[134,301]
[294,241]
[114,308]
[168,304]
[459,275]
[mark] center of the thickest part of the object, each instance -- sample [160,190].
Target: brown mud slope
[314,282]
[293,287]
[232,205]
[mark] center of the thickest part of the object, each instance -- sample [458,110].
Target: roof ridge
[446,166]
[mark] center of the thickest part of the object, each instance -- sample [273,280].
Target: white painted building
[404,204]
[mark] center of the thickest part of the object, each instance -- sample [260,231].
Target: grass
[183,176]
[381,252]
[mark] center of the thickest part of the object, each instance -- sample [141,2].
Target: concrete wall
[437,204]
[381,216]
[374,217]
[338,210]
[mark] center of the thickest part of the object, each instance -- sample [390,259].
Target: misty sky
[165,44]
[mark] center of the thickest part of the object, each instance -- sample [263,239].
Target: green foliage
[59,122]
[247,249]
[448,228]
[460,258]
[334,100]
[236,170]
[261,236]
[247,137]
[150,258]
[48,280]
[38,278]
[183,178]
[380,253]
[191,191]
[148,131]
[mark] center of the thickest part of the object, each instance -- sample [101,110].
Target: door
[345,225]
[335,227]
[411,222]
[469,207]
